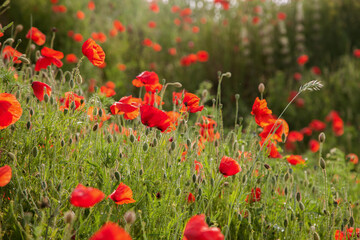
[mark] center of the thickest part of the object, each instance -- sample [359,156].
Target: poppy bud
[212,182]
[165,176]
[322,163]
[95,127]
[28,125]
[62,143]
[19,28]
[141,172]
[109,138]
[66,111]
[52,101]
[24,59]
[173,146]
[44,203]
[117,175]
[298,196]
[11,156]
[43,185]
[100,112]
[322,137]
[237,96]
[286,177]
[69,217]
[199,192]
[226,184]
[316,236]
[17,94]
[177,84]
[158,134]
[267,166]
[227,74]
[285,223]
[79,79]
[147,131]
[82,101]
[132,138]
[70,141]
[261,88]
[351,221]
[204,93]
[154,142]
[54,29]
[194,177]
[72,83]
[285,191]
[35,151]
[46,98]
[130,217]
[177,192]
[27,99]
[72,105]
[301,206]
[158,195]
[32,47]
[244,179]
[145,147]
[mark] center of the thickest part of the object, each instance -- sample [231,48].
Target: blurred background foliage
[250,39]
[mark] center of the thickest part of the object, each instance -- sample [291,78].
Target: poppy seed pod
[95,127]
[298,196]
[19,28]
[46,98]
[100,112]
[261,88]
[322,163]
[35,151]
[301,206]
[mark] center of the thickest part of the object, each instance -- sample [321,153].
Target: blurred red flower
[198,166]
[10,110]
[154,7]
[297,76]
[71,58]
[356,53]
[207,131]
[147,42]
[10,53]
[277,128]
[229,166]
[314,145]
[49,56]
[281,16]
[38,88]
[5,173]
[175,9]
[111,231]
[80,15]
[295,136]
[255,195]
[36,36]
[190,198]
[91,5]
[295,159]
[86,197]
[337,123]
[352,157]
[59,9]
[78,37]
[152,24]
[149,80]
[122,195]
[197,229]
[316,70]
[156,47]
[185,12]
[195,29]
[317,125]
[119,26]
[93,52]
[302,59]
[69,98]
[153,117]
[189,102]
[202,56]
[172,51]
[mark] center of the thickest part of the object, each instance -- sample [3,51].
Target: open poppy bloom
[154,7]
[10,53]
[39,88]
[295,159]
[189,102]
[71,58]
[149,80]
[86,197]
[93,52]
[263,115]
[337,123]
[255,195]
[317,125]
[314,145]
[108,92]
[128,106]
[111,231]
[10,110]
[49,56]
[352,157]
[122,195]
[302,59]
[295,136]
[229,166]
[69,98]
[190,198]
[207,130]
[202,56]
[153,117]
[36,36]
[275,130]
[196,229]
[5,175]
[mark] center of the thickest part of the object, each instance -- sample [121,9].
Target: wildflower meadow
[179,119]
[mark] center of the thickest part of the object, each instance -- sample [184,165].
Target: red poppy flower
[224,3]
[195,29]
[59,9]
[86,197]
[111,231]
[177,22]
[297,76]
[256,20]
[263,115]
[207,131]
[93,52]
[352,157]
[185,12]
[198,166]
[317,125]
[108,92]
[154,7]
[1,34]
[356,53]
[119,26]
[128,106]
[71,58]
[54,1]
[314,145]
[273,151]
[113,32]
[306,131]
[152,24]
[190,198]
[147,42]
[316,70]
[281,16]
[255,195]
[174,117]
[80,15]
[49,56]
[295,159]
[156,47]
[202,56]
[302,59]
[122,195]
[69,98]
[229,166]
[10,110]
[78,37]
[101,37]
[151,99]
[10,53]
[149,80]
[103,118]
[153,117]
[175,9]
[5,175]
[121,67]
[36,36]
[197,229]
[189,102]
[295,136]
[172,51]
[38,88]
[337,123]
[91,5]
[276,128]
